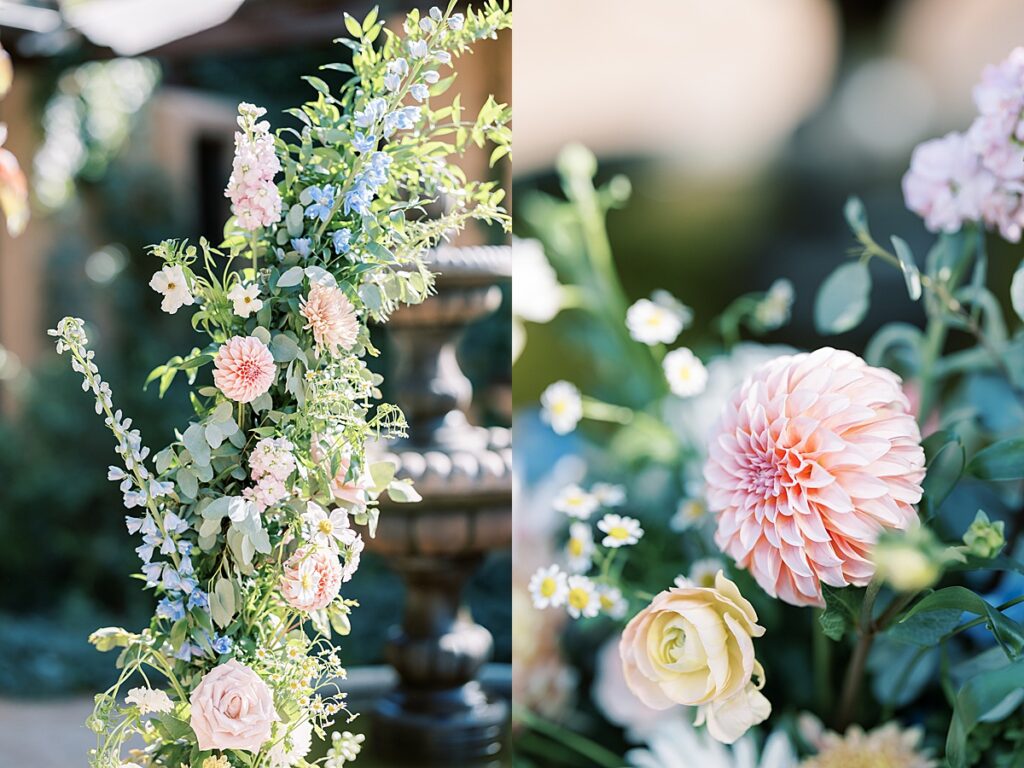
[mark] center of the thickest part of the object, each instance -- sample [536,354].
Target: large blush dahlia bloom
[814,456]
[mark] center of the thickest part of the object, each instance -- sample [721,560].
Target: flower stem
[591,750]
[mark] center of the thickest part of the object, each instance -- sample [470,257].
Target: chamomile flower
[657,320]
[688,514]
[245,299]
[562,407]
[609,495]
[580,547]
[575,502]
[686,374]
[612,602]
[703,572]
[548,587]
[581,597]
[620,531]
[327,529]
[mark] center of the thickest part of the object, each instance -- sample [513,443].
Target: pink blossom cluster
[977,175]
[270,463]
[255,200]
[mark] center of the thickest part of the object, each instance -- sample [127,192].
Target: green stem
[591,750]
[858,662]
[601,411]
[822,650]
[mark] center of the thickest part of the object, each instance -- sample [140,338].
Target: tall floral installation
[834,580]
[252,521]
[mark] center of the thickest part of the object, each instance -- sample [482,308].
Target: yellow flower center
[607,603]
[559,407]
[619,532]
[326,526]
[706,580]
[579,598]
[171,286]
[575,547]
[247,299]
[307,581]
[548,587]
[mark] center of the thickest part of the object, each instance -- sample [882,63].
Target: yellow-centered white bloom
[245,299]
[562,407]
[548,587]
[656,322]
[686,374]
[608,494]
[694,646]
[149,700]
[619,530]
[582,599]
[580,547]
[575,502]
[612,602]
[702,573]
[688,514]
[170,282]
[327,529]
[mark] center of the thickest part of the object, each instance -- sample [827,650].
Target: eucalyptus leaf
[195,442]
[291,277]
[843,299]
[910,272]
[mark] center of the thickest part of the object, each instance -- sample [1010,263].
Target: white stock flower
[620,531]
[562,407]
[245,299]
[171,284]
[575,502]
[149,700]
[686,374]
[548,587]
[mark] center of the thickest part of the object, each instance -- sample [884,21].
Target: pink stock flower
[244,368]
[255,200]
[312,579]
[815,455]
[946,184]
[331,318]
[232,708]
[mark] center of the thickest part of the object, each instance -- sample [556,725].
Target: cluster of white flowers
[149,700]
[345,747]
[551,587]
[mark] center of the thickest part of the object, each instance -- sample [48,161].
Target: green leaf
[842,610]
[855,216]
[188,483]
[1008,633]
[926,628]
[222,602]
[843,299]
[1003,460]
[353,27]
[402,492]
[284,348]
[291,277]
[381,474]
[980,695]
[195,442]
[910,272]
[945,458]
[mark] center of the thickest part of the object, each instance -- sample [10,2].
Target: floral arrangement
[769,537]
[250,523]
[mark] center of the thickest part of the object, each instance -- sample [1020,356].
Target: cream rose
[693,646]
[232,708]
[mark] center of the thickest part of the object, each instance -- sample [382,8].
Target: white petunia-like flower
[170,282]
[149,700]
[580,547]
[581,597]
[562,407]
[609,495]
[575,502]
[245,299]
[620,531]
[657,320]
[327,529]
[612,602]
[686,374]
[548,587]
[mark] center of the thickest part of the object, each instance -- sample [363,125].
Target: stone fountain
[439,715]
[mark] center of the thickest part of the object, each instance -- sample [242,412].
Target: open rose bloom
[694,646]
[815,455]
[232,708]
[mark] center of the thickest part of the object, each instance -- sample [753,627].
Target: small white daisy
[582,599]
[608,494]
[580,547]
[688,514]
[612,601]
[703,572]
[562,407]
[657,322]
[575,502]
[327,529]
[548,587]
[686,374]
[620,530]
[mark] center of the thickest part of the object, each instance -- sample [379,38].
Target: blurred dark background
[122,114]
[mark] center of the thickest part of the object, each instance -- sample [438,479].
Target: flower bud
[909,562]
[984,538]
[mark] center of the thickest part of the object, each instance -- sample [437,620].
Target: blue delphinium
[342,240]
[173,610]
[323,202]
[371,113]
[301,246]
[364,142]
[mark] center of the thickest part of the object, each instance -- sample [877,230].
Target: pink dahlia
[244,368]
[330,316]
[312,579]
[815,455]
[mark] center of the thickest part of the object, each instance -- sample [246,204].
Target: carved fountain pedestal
[439,715]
